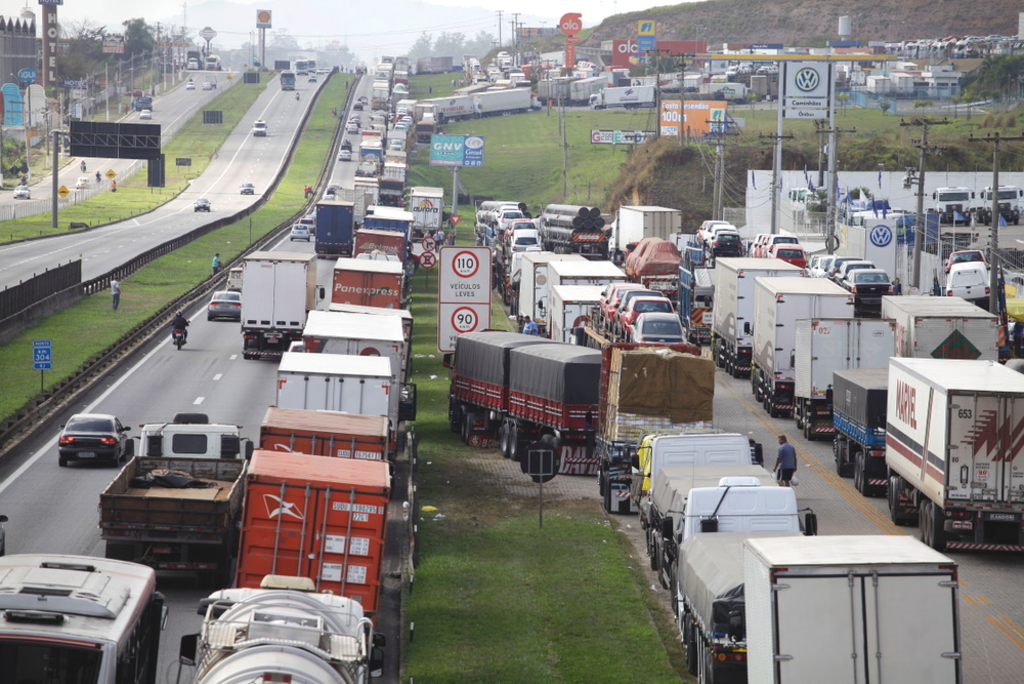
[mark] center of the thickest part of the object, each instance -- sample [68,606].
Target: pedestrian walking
[115,292]
[307,190]
[785,462]
[897,286]
[216,263]
[529,327]
[1018,339]
[439,236]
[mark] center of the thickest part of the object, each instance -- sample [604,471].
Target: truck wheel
[860,479]
[929,518]
[689,636]
[606,492]
[503,439]
[653,549]
[673,573]
[895,508]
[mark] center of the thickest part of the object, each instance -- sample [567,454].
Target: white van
[689,449]
[741,504]
[969,280]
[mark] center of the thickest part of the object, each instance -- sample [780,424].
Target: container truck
[389,218]
[317,517]
[427,207]
[501,102]
[695,302]
[570,308]
[842,605]
[574,229]
[445,109]
[634,223]
[942,327]
[392,184]
[631,97]
[274,633]
[356,334]
[368,282]
[581,90]
[860,403]
[403,315]
[952,433]
[365,385]
[824,346]
[584,273]
[732,335]
[778,304]
[533,292]
[325,433]
[335,221]
[278,290]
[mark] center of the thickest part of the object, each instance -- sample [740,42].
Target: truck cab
[191,435]
[1010,201]
[741,504]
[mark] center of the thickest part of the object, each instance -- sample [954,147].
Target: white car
[207,86]
[351,128]
[190,86]
[145,115]
[22,192]
[299,232]
[345,155]
[969,280]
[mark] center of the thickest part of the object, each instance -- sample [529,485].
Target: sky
[399,30]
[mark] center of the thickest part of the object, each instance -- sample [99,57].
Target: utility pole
[500,12]
[821,127]
[776,139]
[565,149]
[515,39]
[831,244]
[920,220]
[993,243]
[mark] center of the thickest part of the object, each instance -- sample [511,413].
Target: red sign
[428,260]
[570,24]
[429,244]
[455,218]
[570,54]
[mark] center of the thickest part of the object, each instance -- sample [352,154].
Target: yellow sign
[645,28]
[228,77]
[110,174]
[63,191]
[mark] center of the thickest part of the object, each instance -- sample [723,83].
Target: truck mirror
[667,527]
[230,446]
[972,194]
[321,292]
[249,447]
[376,662]
[934,195]
[446,360]
[187,649]
[746,329]
[709,525]
[811,525]
[379,640]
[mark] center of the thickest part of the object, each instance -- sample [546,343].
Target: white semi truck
[629,97]
[942,327]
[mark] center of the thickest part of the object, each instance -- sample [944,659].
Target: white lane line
[91,408]
[198,401]
[232,357]
[218,376]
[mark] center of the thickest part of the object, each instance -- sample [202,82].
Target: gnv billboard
[456,150]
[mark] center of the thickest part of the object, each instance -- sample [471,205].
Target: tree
[422,47]
[450,45]
[885,106]
[138,37]
[82,49]
[280,40]
[480,45]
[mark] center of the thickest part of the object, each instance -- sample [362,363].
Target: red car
[639,305]
[793,254]
[964,256]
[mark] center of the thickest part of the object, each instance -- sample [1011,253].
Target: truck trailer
[335,222]
[427,207]
[574,229]
[860,402]
[943,328]
[278,290]
[634,223]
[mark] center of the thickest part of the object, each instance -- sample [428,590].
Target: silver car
[225,304]
[657,328]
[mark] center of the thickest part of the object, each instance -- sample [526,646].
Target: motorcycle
[178,336]
[296,96]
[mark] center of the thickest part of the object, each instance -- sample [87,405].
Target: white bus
[78,619]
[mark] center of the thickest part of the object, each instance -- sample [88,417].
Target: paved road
[242,158]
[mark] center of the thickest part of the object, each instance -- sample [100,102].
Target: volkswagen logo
[807,79]
[881,235]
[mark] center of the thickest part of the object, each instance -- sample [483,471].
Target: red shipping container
[317,517]
[369,240]
[324,433]
[368,282]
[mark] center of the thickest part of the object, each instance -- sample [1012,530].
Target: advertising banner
[671,118]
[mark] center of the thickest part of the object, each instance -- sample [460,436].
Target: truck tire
[673,571]
[689,636]
[606,492]
[895,508]
[930,524]
[503,440]
[860,476]
[653,549]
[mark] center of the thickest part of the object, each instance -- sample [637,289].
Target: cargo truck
[942,328]
[427,207]
[389,218]
[634,223]
[278,290]
[317,517]
[859,409]
[952,433]
[356,334]
[570,308]
[1009,205]
[732,335]
[843,605]
[502,101]
[369,282]
[335,222]
[630,97]
[533,291]
[695,300]
[827,345]
[580,90]
[654,263]
[574,229]
[584,273]
[274,633]
[392,184]
[389,242]
[778,304]
[325,433]
[953,205]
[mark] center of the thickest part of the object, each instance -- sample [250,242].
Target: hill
[797,22]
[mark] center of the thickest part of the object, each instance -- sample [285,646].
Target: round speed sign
[465,320]
[466,264]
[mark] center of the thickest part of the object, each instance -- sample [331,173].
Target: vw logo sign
[807,79]
[881,236]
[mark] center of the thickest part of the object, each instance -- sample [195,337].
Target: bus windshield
[24,661]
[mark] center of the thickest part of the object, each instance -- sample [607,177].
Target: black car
[358,106]
[868,286]
[727,244]
[201,204]
[94,437]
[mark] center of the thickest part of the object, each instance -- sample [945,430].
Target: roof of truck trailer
[578,293]
[831,550]
[870,378]
[939,307]
[330,421]
[281,256]
[336,324]
[586,268]
[404,314]
[800,285]
[752,264]
[335,364]
[963,375]
[346,264]
[350,471]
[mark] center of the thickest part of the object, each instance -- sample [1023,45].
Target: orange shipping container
[317,517]
[324,433]
[368,282]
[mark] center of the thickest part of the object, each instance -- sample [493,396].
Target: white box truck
[634,223]
[849,610]
[827,345]
[278,290]
[942,327]
[570,308]
[953,431]
[427,207]
[502,101]
[732,336]
[630,97]
[584,272]
[532,294]
[363,385]
[778,304]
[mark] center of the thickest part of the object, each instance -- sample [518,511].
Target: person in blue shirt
[216,263]
[785,462]
[529,327]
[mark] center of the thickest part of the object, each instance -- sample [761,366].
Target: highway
[242,158]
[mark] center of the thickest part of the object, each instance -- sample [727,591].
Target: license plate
[86,454]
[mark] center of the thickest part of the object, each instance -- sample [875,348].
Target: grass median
[195,140]
[90,326]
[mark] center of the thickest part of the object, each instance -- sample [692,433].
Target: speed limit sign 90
[463,293]
[459,319]
[464,320]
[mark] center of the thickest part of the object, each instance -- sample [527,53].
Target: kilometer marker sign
[463,293]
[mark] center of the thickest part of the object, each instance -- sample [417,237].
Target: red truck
[654,263]
[325,433]
[391,242]
[368,282]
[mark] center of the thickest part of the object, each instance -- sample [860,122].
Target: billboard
[700,117]
[671,118]
[456,150]
[627,52]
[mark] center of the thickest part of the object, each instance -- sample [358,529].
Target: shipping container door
[277,529]
[911,649]
[365,396]
[981,334]
[872,342]
[290,295]
[815,620]
[985,435]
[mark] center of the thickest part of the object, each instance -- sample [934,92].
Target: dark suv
[94,437]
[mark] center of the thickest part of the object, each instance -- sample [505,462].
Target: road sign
[454,218]
[428,260]
[111,174]
[541,462]
[183,161]
[463,293]
[207,34]
[263,18]
[429,244]
[63,191]
[42,355]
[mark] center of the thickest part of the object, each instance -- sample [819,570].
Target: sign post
[463,293]
[42,358]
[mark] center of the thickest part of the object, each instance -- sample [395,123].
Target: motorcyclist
[296,96]
[83,166]
[179,322]
[97,177]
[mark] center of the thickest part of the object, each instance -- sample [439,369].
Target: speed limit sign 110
[463,294]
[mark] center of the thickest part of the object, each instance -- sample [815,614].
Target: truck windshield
[1005,194]
[25,661]
[958,196]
